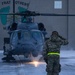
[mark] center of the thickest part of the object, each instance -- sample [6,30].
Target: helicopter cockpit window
[23,35]
[26,35]
[38,36]
[16,36]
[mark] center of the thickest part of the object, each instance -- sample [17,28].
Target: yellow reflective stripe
[53,54]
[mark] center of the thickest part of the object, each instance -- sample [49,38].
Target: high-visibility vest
[53,53]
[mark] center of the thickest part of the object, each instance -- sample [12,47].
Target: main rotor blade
[37,14]
[10,14]
[47,14]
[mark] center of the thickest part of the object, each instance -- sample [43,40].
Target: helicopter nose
[27,47]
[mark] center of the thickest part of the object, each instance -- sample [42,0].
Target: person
[42,28]
[51,53]
[13,26]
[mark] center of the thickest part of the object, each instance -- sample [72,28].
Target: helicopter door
[14,38]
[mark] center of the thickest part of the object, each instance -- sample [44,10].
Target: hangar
[65,25]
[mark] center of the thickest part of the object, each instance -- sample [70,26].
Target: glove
[61,37]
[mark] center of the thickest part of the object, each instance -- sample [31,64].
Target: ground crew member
[51,53]
[42,29]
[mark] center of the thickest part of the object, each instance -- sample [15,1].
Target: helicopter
[26,38]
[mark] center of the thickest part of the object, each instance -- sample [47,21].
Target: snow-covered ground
[67,62]
[28,68]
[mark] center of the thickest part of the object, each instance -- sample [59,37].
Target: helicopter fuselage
[27,40]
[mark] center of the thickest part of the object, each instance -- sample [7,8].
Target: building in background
[65,25]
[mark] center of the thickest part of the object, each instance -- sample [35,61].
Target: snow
[67,53]
[67,60]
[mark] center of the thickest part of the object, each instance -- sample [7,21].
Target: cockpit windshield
[27,36]
[20,35]
[37,35]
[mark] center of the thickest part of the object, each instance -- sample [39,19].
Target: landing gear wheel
[8,58]
[5,59]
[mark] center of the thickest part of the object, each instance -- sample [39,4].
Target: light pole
[13,10]
[67,18]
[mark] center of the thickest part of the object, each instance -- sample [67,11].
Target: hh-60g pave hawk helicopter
[26,38]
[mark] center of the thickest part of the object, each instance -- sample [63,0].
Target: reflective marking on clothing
[52,53]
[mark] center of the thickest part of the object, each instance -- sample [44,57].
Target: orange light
[36,63]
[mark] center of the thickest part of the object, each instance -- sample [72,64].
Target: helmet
[54,33]
[54,36]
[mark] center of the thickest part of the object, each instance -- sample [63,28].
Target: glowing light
[35,63]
